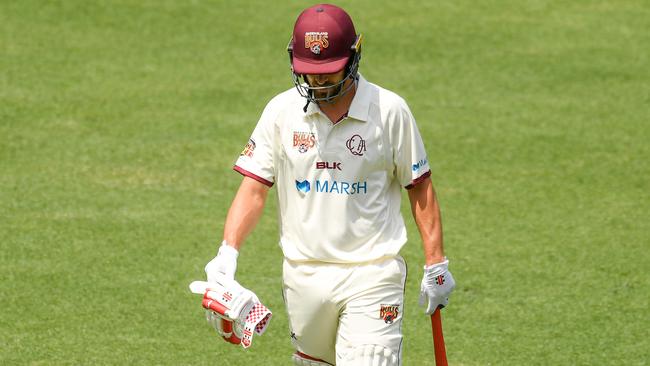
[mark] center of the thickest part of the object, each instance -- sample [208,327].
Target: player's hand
[234,311]
[227,306]
[230,331]
[437,285]
[224,265]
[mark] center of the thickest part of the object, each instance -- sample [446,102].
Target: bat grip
[438,340]
[214,305]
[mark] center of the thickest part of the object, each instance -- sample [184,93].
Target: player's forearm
[245,211]
[426,213]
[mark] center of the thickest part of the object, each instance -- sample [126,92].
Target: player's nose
[321,79]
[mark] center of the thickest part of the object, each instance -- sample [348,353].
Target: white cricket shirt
[338,184]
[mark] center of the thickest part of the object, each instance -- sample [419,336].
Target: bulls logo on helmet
[316,41]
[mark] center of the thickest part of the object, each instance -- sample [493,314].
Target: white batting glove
[238,300]
[223,265]
[229,330]
[437,284]
[227,304]
[234,311]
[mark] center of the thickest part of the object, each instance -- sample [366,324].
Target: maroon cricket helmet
[322,40]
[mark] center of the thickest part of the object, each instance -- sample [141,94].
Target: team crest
[249,149]
[303,141]
[316,41]
[357,145]
[389,313]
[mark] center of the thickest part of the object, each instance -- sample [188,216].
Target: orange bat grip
[213,305]
[438,339]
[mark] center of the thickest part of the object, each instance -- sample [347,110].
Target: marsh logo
[333,187]
[420,164]
[303,186]
[340,187]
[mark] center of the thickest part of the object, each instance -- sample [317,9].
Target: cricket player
[339,149]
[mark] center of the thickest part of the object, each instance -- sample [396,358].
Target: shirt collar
[361,102]
[359,106]
[312,108]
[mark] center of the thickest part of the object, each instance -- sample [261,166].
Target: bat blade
[438,340]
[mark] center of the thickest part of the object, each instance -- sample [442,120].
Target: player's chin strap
[331,99]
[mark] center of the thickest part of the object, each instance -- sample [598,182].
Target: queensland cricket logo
[389,313]
[356,145]
[316,41]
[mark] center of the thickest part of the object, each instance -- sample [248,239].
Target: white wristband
[228,250]
[444,264]
[225,263]
[436,269]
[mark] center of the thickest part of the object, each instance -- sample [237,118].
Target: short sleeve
[256,160]
[409,154]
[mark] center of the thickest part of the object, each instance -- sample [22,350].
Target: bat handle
[438,339]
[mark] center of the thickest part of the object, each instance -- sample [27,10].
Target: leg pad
[370,355]
[301,359]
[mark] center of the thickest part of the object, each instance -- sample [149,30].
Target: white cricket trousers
[334,308]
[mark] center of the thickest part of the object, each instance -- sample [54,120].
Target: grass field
[120,121]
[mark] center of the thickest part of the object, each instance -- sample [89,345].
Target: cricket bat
[438,339]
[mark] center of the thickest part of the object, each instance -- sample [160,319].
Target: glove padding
[237,332]
[235,312]
[437,284]
[223,265]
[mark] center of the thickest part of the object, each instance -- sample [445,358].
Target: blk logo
[303,186]
[356,145]
[328,165]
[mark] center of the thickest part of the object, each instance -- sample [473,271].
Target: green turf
[120,120]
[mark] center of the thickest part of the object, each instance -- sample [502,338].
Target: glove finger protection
[223,265]
[230,299]
[225,328]
[232,310]
[436,286]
